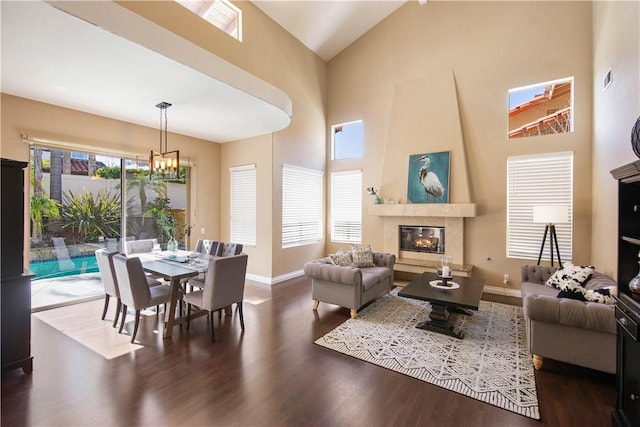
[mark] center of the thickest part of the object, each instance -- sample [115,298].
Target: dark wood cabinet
[15,284]
[627,412]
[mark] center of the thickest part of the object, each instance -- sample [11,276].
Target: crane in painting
[429,180]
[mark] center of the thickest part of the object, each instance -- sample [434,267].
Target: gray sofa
[350,287]
[577,332]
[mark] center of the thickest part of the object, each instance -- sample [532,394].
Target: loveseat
[347,285]
[582,333]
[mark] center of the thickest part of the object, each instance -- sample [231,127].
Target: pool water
[47,269]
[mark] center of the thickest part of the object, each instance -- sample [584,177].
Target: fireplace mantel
[450,210]
[448,215]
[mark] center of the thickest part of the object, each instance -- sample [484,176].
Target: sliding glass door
[81,202]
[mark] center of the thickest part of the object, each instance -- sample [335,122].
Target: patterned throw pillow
[342,259]
[603,295]
[570,274]
[570,280]
[362,257]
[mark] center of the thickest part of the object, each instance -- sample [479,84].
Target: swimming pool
[50,268]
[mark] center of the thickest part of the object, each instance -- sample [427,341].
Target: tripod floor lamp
[550,215]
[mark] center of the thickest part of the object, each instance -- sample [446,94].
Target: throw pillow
[362,257]
[572,291]
[570,274]
[342,259]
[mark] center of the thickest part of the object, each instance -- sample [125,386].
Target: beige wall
[478,50]
[272,54]
[39,120]
[617,47]
[415,61]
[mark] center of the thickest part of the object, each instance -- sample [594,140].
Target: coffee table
[445,301]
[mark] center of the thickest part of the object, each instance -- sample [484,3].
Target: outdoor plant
[42,208]
[89,216]
[159,210]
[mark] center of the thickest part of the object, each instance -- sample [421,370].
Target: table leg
[170,315]
[439,321]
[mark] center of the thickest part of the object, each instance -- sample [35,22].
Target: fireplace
[426,239]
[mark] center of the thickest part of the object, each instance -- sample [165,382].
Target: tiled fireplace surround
[449,215]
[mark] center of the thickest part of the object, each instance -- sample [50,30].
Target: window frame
[243,211]
[343,206]
[334,131]
[300,197]
[539,179]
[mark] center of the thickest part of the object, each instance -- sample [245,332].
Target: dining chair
[135,292]
[140,246]
[230,248]
[224,285]
[207,247]
[104,257]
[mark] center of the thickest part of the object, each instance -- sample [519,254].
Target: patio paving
[56,292]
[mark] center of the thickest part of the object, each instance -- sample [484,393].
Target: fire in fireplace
[422,239]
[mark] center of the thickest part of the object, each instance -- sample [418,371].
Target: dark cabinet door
[15,287]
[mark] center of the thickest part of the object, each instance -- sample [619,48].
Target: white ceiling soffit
[327,27]
[114,63]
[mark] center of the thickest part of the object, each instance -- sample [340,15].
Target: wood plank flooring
[270,375]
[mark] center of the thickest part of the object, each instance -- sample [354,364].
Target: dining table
[174,267]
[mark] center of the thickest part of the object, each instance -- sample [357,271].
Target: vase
[634,284]
[377,200]
[172,244]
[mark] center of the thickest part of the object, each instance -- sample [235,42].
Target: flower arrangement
[373,192]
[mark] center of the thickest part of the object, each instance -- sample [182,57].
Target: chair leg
[241,316]
[118,308]
[188,316]
[213,332]
[106,305]
[315,304]
[124,316]
[135,328]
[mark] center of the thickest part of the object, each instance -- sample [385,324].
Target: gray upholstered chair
[347,286]
[104,258]
[229,249]
[140,246]
[135,291]
[207,247]
[224,285]
[578,332]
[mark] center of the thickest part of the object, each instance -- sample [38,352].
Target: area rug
[491,364]
[82,323]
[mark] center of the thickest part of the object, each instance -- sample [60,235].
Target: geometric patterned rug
[490,364]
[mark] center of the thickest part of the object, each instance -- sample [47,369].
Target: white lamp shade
[551,214]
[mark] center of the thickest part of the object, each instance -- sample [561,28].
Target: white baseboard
[507,292]
[275,280]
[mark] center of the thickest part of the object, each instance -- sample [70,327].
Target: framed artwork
[428,180]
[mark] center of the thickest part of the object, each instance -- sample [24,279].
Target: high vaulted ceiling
[328,27]
[105,60]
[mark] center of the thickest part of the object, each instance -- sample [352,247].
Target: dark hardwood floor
[270,375]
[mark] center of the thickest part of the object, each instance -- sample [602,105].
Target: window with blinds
[346,206]
[243,205]
[301,206]
[544,179]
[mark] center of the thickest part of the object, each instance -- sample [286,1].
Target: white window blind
[545,179]
[301,206]
[243,205]
[346,206]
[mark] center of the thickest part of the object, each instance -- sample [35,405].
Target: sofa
[582,333]
[347,285]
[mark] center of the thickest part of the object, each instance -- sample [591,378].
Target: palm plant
[42,207]
[90,217]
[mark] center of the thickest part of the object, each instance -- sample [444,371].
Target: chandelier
[164,164]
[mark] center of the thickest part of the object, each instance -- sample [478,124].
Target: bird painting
[429,182]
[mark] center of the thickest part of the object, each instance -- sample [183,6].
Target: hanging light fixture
[165,164]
